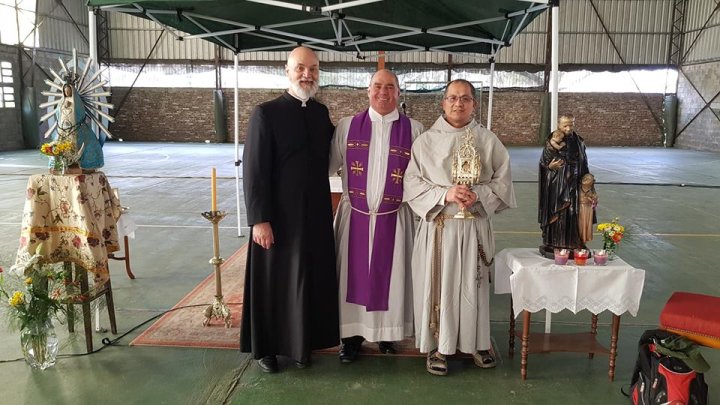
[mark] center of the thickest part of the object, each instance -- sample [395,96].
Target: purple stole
[370,285]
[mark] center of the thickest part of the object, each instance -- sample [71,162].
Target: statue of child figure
[588,199]
[557,141]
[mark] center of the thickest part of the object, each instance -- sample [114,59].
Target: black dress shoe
[349,352]
[387,348]
[268,364]
[304,363]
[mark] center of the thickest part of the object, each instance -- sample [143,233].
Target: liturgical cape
[397,322]
[290,304]
[464,323]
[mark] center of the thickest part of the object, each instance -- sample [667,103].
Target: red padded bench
[695,316]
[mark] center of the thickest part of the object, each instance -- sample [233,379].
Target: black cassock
[291,290]
[558,194]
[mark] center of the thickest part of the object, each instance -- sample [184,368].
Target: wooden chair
[126,244]
[79,275]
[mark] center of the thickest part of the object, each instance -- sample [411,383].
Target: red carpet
[183,327]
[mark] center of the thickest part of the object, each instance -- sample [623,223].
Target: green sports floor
[667,199]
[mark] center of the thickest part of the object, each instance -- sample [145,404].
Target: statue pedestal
[74,169]
[548,252]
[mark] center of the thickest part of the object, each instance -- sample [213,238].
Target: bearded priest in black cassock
[290,306]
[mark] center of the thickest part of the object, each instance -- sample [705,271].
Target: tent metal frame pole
[202,27]
[93,53]
[491,89]
[490,93]
[554,67]
[215,19]
[93,59]
[554,98]
[92,38]
[237,145]
[216,34]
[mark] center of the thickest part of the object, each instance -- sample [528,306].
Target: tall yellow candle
[213,190]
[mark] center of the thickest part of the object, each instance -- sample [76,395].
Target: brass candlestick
[218,309]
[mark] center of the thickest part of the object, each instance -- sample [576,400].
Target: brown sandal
[484,359]
[436,363]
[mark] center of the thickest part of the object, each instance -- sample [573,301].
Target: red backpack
[662,379]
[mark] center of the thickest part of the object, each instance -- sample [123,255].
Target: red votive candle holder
[600,257]
[561,256]
[581,256]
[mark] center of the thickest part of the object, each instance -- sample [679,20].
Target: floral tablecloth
[74,218]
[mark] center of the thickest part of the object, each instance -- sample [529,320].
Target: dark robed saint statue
[562,165]
[290,306]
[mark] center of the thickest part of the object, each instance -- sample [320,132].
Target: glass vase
[39,344]
[610,248]
[57,166]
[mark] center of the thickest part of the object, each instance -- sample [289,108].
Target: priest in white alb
[452,256]
[373,227]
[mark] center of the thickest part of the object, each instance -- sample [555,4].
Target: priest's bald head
[303,71]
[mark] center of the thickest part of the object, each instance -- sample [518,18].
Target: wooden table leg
[593,331]
[127,258]
[525,344]
[81,274]
[511,332]
[110,307]
[68,270]
[613,346]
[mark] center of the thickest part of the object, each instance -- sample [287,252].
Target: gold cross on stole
[357,168]
[397,175]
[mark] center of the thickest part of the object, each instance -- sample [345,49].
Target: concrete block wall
[615,119]
[186,115]
[698,127]
[10,120]
[163,114]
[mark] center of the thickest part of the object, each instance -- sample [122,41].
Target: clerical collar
[375,116]
[302,100]
[447,127]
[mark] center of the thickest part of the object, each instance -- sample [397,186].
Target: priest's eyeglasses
[463,99]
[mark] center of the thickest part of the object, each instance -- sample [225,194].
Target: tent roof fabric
[359,26]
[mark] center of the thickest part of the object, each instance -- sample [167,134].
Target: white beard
[303,92]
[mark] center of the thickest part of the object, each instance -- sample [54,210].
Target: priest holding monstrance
[453,253]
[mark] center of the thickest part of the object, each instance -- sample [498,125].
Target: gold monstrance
[466,167]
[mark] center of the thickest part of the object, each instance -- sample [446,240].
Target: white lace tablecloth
[538,283]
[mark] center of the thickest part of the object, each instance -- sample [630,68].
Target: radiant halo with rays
[85,78]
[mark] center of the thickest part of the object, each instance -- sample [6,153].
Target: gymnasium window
[7,91]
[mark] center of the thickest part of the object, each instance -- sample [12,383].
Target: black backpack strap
[643,363]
